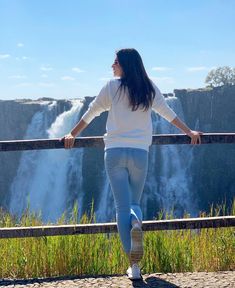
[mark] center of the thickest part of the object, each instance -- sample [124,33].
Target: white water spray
[175,178]
[42,175]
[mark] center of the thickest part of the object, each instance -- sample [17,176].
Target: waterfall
[51,182]
[42,176]
[28,162]
[170,178]
[106,210]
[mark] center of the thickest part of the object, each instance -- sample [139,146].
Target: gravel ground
[196,279]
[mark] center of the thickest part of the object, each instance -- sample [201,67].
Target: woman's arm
[160,106]
[100,104]
[194,135]
[69,139]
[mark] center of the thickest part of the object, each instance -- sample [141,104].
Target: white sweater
[126,128]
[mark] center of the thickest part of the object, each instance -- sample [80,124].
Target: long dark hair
[135,79]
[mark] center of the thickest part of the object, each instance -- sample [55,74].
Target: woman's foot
[133,272]
[137,249]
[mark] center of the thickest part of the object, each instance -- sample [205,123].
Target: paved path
[170,280]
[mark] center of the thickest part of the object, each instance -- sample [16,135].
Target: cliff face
[15,117]
[93,163]
[210,110]
[213,168]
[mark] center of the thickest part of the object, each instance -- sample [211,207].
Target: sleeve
[161,107]
[100,104]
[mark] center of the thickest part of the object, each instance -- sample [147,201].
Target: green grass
[165,251]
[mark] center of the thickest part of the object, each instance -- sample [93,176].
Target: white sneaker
[133,272]
[137,249]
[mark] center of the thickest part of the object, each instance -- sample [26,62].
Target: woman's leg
[115,164]
[127,170]
[138,168]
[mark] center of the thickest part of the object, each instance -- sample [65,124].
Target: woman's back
[126,128]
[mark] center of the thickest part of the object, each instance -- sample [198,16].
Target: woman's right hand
[69,140]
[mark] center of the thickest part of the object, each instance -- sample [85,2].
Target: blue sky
[65,48]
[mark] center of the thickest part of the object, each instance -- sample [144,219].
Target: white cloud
[77,70]
[17,77]
[67,78]
[161,69]
[4,56]
[22,58]
[20,45]
[46,84]
[46,68]
[25,84]
[197,69]
[44,75]
[168,80]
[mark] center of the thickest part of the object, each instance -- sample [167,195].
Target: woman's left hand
[69,140]
[195,137]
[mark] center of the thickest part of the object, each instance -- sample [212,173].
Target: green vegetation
[165,251]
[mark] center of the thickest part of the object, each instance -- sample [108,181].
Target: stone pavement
[171,280]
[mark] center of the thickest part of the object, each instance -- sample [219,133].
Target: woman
[129,101]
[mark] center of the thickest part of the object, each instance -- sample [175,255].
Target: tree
[221,76]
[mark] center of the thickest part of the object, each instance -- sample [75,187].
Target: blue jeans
[127,170]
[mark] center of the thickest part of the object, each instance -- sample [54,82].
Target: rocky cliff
[15,117]
[212,169]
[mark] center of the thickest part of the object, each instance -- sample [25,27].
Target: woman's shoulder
[112,85]
[114,82]
[157,90]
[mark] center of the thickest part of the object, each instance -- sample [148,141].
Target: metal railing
[169,139]
[174,224]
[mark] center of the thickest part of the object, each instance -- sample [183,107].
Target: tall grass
[165,251]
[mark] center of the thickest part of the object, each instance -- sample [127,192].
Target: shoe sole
[137,249]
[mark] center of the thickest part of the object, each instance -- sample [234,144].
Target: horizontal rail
[163,139]
[175,224]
